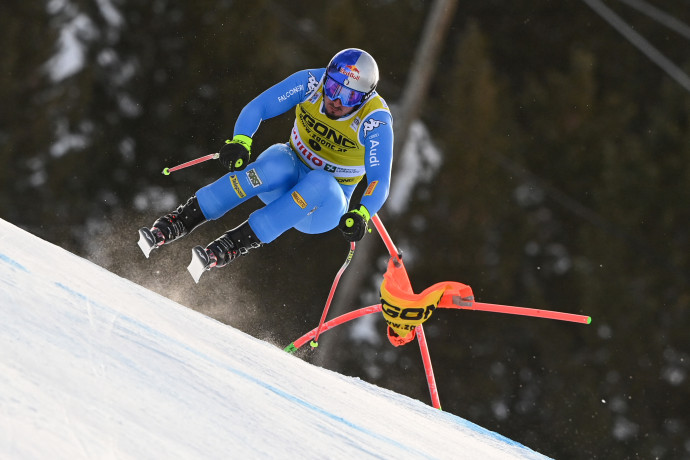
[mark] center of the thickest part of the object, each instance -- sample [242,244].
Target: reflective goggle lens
[348,97]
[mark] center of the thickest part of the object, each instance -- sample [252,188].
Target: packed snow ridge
[95,366]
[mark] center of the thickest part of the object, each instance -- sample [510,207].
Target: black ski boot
[224,250]
[171,226]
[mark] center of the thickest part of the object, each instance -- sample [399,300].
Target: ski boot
[171,226]
[228,247]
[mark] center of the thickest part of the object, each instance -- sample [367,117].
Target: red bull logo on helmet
[351,71]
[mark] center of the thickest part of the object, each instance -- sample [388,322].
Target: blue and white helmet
[351,76]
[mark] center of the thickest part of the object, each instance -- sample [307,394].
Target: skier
[343,131]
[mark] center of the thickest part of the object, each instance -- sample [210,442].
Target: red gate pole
[428,369]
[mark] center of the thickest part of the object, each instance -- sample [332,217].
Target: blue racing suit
[307,182]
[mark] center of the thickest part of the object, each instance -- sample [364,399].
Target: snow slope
[95,366]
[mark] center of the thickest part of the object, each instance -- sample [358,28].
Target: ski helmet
[351,76]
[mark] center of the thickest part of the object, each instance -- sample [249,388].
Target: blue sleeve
[277,100]
[376,134]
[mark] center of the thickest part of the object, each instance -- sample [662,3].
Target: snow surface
[95,366]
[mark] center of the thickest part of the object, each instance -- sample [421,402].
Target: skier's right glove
[234,155]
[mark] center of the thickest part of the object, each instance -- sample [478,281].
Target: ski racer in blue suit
[343,131]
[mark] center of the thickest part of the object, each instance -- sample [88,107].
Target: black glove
[353,224]
[234,155]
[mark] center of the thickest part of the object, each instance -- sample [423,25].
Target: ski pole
[210,156]
[315,343]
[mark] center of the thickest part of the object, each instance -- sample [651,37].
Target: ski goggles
[348,97]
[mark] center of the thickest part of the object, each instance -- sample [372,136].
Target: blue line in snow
[71,291]
[13,263]
[481,430]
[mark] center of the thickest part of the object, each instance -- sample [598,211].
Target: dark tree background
[565,185]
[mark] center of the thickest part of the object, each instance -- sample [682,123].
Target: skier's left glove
[353,224]
[234,155]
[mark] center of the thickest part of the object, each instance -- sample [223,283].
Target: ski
[147,241]
[201,262]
